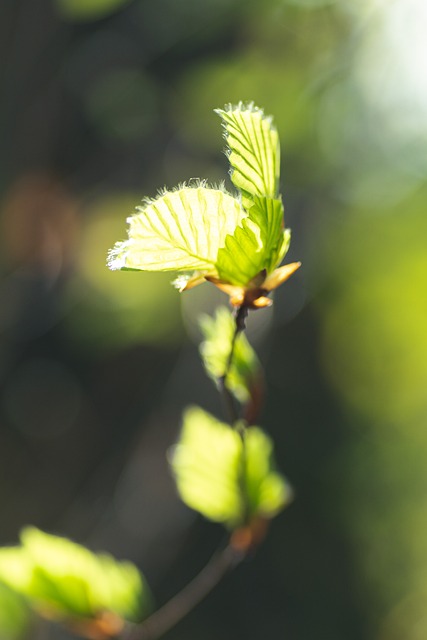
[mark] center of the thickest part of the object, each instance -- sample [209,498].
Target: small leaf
[254,151]
[66,581]
[268,215]
[259,244]
[179,231]
[206,464]
[215,350]
[267,491]
[222,478]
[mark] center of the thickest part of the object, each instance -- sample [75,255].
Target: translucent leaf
[66,580]
[220,477]
[267,491]
[179,231]
[215,350]
[256,245]
[14,614]
[254,151]
[15,569]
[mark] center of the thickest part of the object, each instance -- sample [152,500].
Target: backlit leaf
[220,477]
[253,151]
[64,580]
[259,244]
[179,231]
[206,234]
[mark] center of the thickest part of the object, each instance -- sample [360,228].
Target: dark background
[105,102]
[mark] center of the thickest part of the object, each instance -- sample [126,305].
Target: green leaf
[69,581]
[267,491]
[179,231]
[14,614]
[215,350]
[15,569]
[222,478]
[258,244]
[253,151]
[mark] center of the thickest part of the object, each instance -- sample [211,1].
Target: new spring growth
[236,242]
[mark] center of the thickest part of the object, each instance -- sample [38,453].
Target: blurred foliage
[211,463]
[65,581]
[374,335]
[88,9]
[14,614]
[215,350]
[375,352]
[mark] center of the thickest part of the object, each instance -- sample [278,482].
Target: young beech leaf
[220,477]
[65,581]
[215,350]
[179,231]
[207,234]
[253,151]
[258,245]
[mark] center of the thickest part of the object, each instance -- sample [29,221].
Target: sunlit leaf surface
[219,477]
[258,244]
[208,234]
[254,151]
[180,231]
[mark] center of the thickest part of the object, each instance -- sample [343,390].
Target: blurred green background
[106,101]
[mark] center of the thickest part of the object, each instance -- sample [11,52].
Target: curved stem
[222,562]
[182,603]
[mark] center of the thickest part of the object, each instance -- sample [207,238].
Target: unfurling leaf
[245,368]
[255,247]
[221,477]
[253,151]
[64,581]
[207,234]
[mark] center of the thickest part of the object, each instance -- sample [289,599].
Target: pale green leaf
[179,231]
[253,151]
[215,350]
[62,577]
[267,490]
[257,245]
[15,569]
[221,477]
[206,464]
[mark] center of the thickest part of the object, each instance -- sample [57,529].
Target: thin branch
[181,604]
[240,325]
[222,562]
